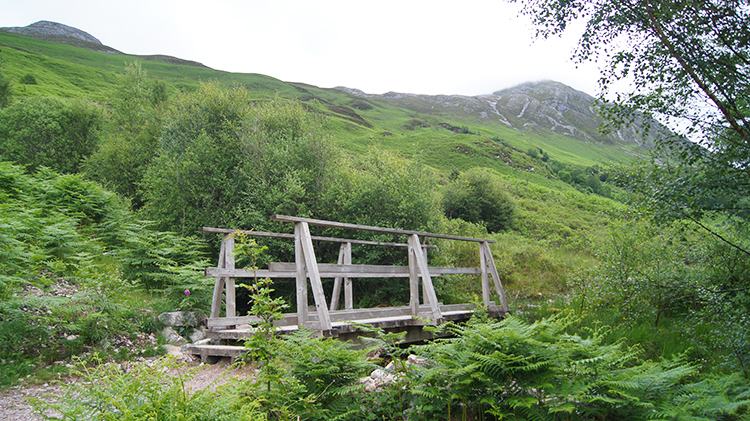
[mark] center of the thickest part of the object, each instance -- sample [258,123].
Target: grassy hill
[444,133]
[68,71]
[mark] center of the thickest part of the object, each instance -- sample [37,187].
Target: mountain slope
[544,115]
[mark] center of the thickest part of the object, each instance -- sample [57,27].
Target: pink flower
[187,292]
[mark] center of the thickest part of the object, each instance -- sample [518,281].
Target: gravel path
[14,405]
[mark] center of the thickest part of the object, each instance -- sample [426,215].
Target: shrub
[27,79]
[477,196]
[51,132]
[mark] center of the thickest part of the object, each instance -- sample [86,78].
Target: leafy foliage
[6,91]
[71,259]
[130,142]
[650,273]
[110,393]
[48,131]
[477,196]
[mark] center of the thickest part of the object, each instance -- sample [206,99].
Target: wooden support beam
[332,224]
[425,295]
[219,284]
[314,237]
[416,250]
[485,280]
[229,265]
[301,277]
[348,291]
[413,283]
[287,270]
[312,271]
[290,319]
[495,276]
[337,281]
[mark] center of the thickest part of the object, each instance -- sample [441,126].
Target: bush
[51,132]
[477,196]
[27,79]
[5,90]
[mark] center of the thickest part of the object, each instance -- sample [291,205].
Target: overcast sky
[424,47]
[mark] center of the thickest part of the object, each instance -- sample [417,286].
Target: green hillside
[67,71]
[548,175]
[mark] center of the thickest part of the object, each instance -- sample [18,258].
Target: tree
[224,161]
[689,65]
[130,143]
[6,90]
[477,196]
[51,132]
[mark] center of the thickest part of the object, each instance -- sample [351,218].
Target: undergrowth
[510,369]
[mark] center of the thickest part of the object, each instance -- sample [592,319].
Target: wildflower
[187,292]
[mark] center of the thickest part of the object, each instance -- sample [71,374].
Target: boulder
[172,337]
[182,318]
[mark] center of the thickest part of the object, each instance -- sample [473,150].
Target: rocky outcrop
[63,34]
[545,106]
[45,28]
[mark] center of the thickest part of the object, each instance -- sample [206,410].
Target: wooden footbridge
[325,316]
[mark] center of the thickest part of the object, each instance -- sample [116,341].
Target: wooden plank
[413,284]
[263,273]
[312,271]
[337,282]
[379,269]
[425,295]
[290,319]
[300,276]
[314,237]
[217,350]
[333,224]
[218,285]
[495,277]
[348,291]
[229,265]
[485,281]
[425,273]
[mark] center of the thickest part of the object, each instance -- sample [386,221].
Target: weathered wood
[348,291]
[290,319]
[485,281]
[345,258]
[229,285]
[207,351]
[495,276]
[333,224]
[337,282]
[306,267]
[312,272]
[314,237]
[413,284]
[330,271]
[301,276]
[218,285]
[379,269]
[416,250]
[425,295]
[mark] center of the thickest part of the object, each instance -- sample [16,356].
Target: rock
[71,337]
[206,341]
[172,337]
[182,318]
[198,334]
[413,359]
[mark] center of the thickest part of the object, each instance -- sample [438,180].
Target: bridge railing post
[302,233]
